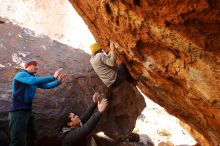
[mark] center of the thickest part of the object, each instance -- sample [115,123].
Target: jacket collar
[23,70]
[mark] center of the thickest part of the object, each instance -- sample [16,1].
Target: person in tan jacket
[104,66]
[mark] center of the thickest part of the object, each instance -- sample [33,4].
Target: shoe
[133,137]
[134,83]
[139,78]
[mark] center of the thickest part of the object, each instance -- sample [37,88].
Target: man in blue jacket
[24,85]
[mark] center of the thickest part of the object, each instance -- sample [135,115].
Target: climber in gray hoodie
[104,66]
[76,129]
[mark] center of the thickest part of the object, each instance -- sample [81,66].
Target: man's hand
[62,78]
[95,97]
[57,73]
[102,105]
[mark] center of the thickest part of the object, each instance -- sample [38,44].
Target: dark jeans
[122,75]
[22,128]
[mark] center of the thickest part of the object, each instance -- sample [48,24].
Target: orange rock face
[174,46]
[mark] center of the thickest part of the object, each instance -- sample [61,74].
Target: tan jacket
[104,67]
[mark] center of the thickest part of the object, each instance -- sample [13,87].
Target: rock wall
[50,106]
[173,46]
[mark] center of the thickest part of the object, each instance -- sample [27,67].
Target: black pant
[122,75]
[22,128]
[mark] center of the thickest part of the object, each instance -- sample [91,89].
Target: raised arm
[53,84]
[78,133]
[49,85]
[26,78]
[85,117]
[108,59]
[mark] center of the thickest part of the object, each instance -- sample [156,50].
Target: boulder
[173,46]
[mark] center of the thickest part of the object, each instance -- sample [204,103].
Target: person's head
[31,65]
[72,121]
[94,48]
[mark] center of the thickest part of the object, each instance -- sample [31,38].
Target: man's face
[32,68]
[74,120]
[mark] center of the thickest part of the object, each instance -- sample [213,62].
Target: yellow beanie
[94,48]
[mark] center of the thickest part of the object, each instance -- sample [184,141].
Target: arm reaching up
[85,117]
[80,132]
[102,105]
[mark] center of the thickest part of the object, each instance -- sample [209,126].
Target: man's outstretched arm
[53,84]
[26,78]
[81,132]
[85,117]
[49,85]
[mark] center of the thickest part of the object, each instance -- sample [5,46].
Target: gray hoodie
[104,66]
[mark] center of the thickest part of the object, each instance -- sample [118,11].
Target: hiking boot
[137,79]
[133,137]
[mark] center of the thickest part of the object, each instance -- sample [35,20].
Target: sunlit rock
[174,47]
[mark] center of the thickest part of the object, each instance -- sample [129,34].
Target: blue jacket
[24,85]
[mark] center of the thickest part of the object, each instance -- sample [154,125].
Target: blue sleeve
[49,85]
[26,78]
